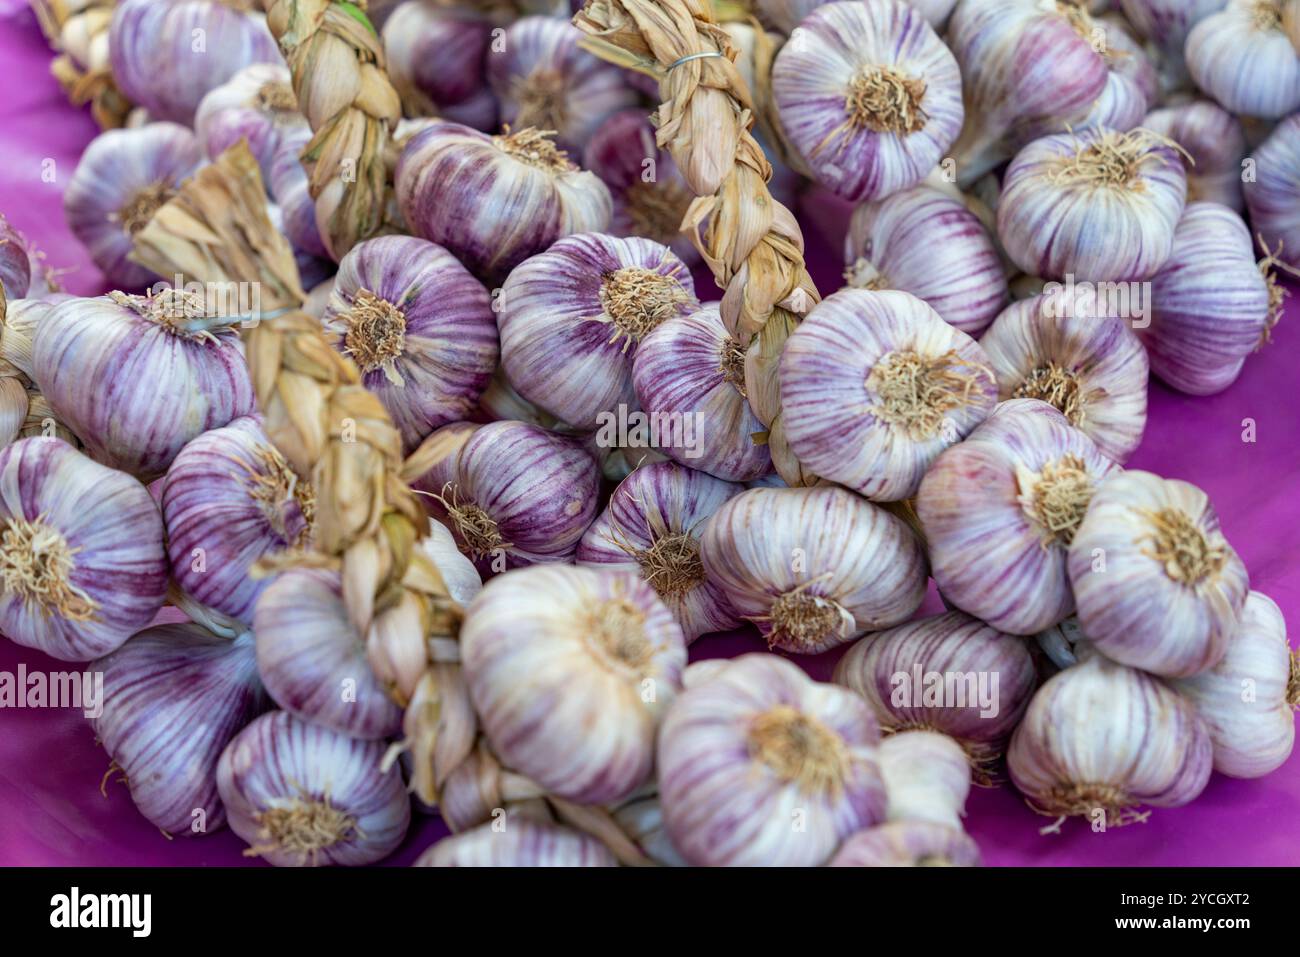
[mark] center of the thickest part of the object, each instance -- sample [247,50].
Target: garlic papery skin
[18,332]
[651,528]
[1241,57]
[689,375]
[1248,699]
[302,795]
[785,15]
[813,567]
[875,385]
[1273,194]
[1000,510]
[257,104]
[174,696]
[1211,304]
[949,673]
[1072,347]
[518,842]
[545,80]
[166,55]
[908,844]
[458,572]
[82,565]
[14,406]
[229,500]
[762,766]
[891,245]
[571,670]
[1157,585]
[288,185]
[120,181]
[15,263]
[437,61]
[419,327]
[313,659]
[198,379]
[1100,740]
[494,201]
[1215,146]
[927,777]
[869,95]
[572,320]
[1098,205]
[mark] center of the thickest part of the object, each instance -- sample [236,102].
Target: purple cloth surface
[51,809]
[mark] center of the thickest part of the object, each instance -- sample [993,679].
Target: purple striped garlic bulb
[188,371]
[1100,740]
[891,245]
[908,844]
[437,60]
[813,567]
[120,181]
[287,183]
[571,670]
[419,327]
[1273,192]
[652,528]
[257,104]
[1243,59]
[785,15]
[1215,145]
[494,201]
[228,500]
[1071,347]
[82,565]
[869,95]
[1132,85]
[573,318]
[173,697]
[15,262]
[761,765]
[1166,23]
[1248,699]
[949,673]
[545,80]
[1000,510]
[1157,585]
[1098,206]
[1211,304]
[927,777]
[875,385]
[302,795]
[689,376]
[520,843]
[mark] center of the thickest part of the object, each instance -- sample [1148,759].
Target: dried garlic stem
[637,301]
[1058,387]
[801,618]
[376,334]
[1113,160]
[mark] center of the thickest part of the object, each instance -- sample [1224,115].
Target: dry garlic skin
[875,385]
[762,766]
[813,567]
[869,95]
[908,844]
[1157,585]
[571,670]
[521,843]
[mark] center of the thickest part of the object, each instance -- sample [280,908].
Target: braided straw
[751,243]
[78,30]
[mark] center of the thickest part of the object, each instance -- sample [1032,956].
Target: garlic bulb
[419,327]
[1098,206]
[927,777]
[869,95]
[1273,194]
[1241,57]
[570,670]
[198,379]
[927,385]
[288,185]
[1166,24]
[1132,86]
[948,673]
[437,60]
[256,104]
[228,500]
[572,320]
[495,200]
[1215,145]
[689,375]
[1157,585]
[761,765]
[120,181]
[1071,346]
[813,567]
[174,696]
[1211,305]
[785,15]
[1248,699]
[167,54]
[642,819]
[18,332]
[518,842]
[82,565]
[15,262]
[891,245]
[908,844]
[1101,740]
[301,794]
[1000,510]
[651,527]
[544,79]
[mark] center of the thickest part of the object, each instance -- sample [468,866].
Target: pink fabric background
[51,810]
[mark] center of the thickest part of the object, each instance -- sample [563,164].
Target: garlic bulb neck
[477,529]
[376,334]
[536,148]
[1188,556]
[886,100]
[637,301]
[1112,160]
[799,749]
[1058,387]
[1057,497]
[917,391]
[139,209]
[36,564]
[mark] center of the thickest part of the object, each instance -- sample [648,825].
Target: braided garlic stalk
[78,30]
